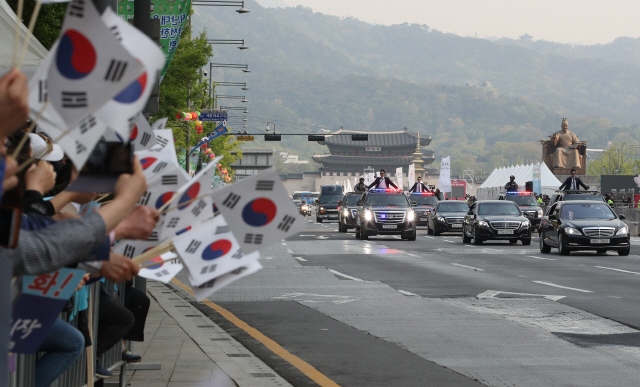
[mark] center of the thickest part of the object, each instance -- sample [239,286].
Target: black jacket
[511,186]
[415,186]
[567,184]
[387,181]
[360,187]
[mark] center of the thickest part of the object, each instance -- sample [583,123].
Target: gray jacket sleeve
[58,245]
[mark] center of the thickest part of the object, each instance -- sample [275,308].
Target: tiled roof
[397,138]
[366,160]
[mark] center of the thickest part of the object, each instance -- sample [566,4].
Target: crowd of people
[59,229]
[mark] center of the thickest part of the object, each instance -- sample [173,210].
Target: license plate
[424,219]
[457,225]
[501,232]
[389,226]
[333,216]
[600,241]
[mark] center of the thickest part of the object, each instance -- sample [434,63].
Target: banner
[445,175]
[172,15]
[412,174]
[399,177]
[537,179]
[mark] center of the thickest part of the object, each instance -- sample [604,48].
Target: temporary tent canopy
[35,51]
[496,181]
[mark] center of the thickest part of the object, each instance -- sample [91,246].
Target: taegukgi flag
[90,66]
[258,210]
[160,270]
[205,290]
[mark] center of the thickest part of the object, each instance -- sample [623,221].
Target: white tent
[35,51]
[494,185]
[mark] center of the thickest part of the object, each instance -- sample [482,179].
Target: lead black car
[495,220]
[583,225]
[385,212]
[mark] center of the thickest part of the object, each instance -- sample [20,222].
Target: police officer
[361,186]
[511,186]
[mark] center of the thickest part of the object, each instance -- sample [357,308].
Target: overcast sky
[566,21]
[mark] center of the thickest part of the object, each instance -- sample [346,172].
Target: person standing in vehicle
[573,183]
[361,186]
[419,186]
[511,186]
[382,182]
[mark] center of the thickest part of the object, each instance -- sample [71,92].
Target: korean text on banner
[412,173]
[172,15]
[537,179]
[445,175]
[399,177]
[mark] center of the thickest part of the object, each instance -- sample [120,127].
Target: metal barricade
[76,375]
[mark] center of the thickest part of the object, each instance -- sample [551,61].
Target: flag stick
[158,250]
[32,24]
[31,127]
[183,204]
[90,361]
[149,264]
[16,37]
[102,197]
[164,206]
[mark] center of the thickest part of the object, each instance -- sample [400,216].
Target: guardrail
[23,372]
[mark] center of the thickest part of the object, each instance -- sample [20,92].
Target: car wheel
[363,233]
[526,242]
[513,241]
[544,248]
[412,237]
[624,252]
[476,237]
[357,232]
[436,232]
[429,230]
[318,220]
[561,247]
[465,237]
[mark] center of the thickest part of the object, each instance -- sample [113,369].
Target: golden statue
[566,142]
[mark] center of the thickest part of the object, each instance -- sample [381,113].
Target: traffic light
[360,137]
[272,137]
[315,137]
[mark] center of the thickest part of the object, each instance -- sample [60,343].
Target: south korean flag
[162,186]
[89,65]
[132,248]
[258,210]
[158,270]
[205,290]
[209,251]
[165,142]
[81,140]
[122,112]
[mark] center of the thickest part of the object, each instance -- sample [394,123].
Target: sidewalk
[192,350]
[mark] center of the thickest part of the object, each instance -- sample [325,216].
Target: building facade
[252,162]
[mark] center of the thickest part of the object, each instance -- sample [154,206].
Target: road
[387,312]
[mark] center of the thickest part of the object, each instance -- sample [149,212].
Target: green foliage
[619,159]
[49,20]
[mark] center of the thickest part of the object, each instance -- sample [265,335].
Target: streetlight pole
[218,3]
[224,65]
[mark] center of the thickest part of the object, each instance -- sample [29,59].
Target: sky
[564,21]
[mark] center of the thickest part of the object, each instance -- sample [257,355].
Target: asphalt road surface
[437,312]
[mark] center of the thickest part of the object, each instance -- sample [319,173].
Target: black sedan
[447,216]
[584,225]
[347,209]
[495,220]
[422,203]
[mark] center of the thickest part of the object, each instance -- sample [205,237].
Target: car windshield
[390,200]
[351,199]
[330,198]
[596,198]
[498,209]
[453,207]
[587,211]
[522,200]
[424,200]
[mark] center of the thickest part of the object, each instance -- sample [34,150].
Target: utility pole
[188,157]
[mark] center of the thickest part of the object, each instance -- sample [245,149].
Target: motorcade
[528,205]
[447,216]
[574,225]
[385,212]
[304,208]
[347,210]
[495,220]
[327,202]
[424,203]
[561,196]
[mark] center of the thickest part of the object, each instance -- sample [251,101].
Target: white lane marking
[468,267]
[426,236]
[620,270]
[345,276]
[289,251]
[562,287]
[406,293]
[300,259]
[413,255]
[450,241]
[548,259]
[523,276]
[494,293]
[284,244]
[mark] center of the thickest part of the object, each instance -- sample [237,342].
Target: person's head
[565,125]
[419,179]
[512,177]
[573,173]
[382,173]
[362,179]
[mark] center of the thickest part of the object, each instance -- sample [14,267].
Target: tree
[49,22]
[619,159]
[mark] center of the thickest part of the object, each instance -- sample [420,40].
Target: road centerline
[468,267]
[620,270]
[562,287]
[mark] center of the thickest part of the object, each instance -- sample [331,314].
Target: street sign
[213,115]
[244,138]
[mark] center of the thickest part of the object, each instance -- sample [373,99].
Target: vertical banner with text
[399,177]
[412,174]
[172,15]
[537,179]
[445,175]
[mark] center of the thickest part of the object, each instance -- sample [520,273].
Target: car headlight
[571,231]
[440,219]
[321,208]
[526,223]
[411,216]
[540,214]
[623,231]
[345,212]
[483,223]
[368,215]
